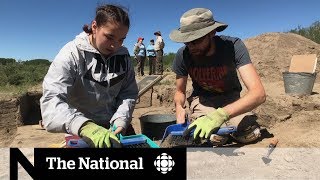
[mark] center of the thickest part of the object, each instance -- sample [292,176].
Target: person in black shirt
[212,63]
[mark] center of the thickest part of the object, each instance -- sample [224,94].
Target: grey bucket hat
[195,24]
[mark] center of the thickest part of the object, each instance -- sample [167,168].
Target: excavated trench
[18,111]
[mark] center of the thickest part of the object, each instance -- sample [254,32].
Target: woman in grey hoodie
[91,84]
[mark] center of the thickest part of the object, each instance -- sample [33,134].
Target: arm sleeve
[179,64]
[241,54]
[57,114]
[126,100]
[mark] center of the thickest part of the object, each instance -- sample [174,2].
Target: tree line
[18,73]
[32,72]
[312,32]
[167,61]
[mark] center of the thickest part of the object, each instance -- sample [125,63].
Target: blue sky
[38,28]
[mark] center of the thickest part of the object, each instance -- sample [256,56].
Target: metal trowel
[271,147]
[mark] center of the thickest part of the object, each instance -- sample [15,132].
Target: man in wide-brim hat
[195,24]
[157,33]
[212,63]
[158,47]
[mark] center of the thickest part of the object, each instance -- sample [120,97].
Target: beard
[199,52]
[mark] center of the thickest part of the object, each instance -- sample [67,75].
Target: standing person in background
[151,53]
[212,63]
[158,47]
[90,84]
[140,55]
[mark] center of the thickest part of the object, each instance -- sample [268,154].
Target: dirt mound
[271,52]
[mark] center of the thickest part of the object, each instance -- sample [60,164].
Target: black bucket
[154,125]
[298,83]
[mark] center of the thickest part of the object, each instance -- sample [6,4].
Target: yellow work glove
[98,137]
[206,125]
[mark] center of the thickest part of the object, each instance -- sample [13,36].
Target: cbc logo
[164,163]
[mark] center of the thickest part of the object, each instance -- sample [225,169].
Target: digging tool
[271,147]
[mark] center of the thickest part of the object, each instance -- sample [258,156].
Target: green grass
[14,90]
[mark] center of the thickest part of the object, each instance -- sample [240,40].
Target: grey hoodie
[82,85]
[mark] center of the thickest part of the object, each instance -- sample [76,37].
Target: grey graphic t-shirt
[216,74]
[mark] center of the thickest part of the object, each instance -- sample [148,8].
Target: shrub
[312,32]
